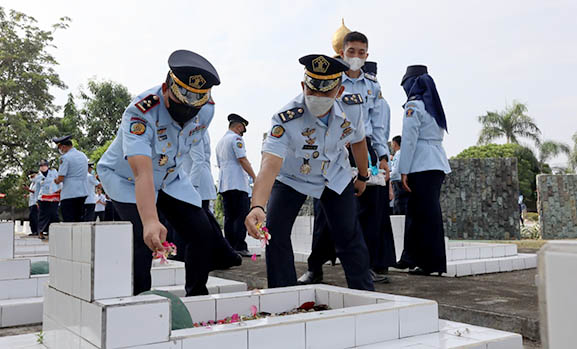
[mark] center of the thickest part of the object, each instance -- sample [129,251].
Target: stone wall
[557,205]
[479,199]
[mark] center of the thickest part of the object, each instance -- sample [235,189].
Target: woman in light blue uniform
[423,165]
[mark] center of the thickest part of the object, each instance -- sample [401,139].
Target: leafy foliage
[511,123]
[550,149]
[573,155]
[527,165]
[98,152]
[26,104]
[103,103]
[532,232]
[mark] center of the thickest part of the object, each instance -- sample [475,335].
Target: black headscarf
[422,87]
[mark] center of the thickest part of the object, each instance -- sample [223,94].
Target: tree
[573,155]
[98,152]
[550,149]
[527,165]
[104,103]
[511,123]
[26,76]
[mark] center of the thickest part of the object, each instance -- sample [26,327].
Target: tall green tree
[550,149]
[511,123]
[26,76]
[103,103]
[573,155]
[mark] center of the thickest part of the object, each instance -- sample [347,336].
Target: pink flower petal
[253,310]
[253,257]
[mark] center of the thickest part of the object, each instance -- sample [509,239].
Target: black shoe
[310,277]
[402,265]
[244,253]
[379,278]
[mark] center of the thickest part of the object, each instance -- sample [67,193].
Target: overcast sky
[482,54]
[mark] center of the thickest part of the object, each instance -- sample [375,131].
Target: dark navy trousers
[342,222]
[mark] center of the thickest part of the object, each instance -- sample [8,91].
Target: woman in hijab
[423,165]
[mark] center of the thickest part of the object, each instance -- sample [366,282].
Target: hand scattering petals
[169,250]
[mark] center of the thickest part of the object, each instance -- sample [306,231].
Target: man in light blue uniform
[32,204]
[399,193]
[306,149]
[72,174]
[48,197]
[362,88]
[200,173]
[90,202]
[142,171]
[423,166]
[233,184]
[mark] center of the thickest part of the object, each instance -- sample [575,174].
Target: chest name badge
[310,147]
[162,137]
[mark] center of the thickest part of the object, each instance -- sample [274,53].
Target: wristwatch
[362,178]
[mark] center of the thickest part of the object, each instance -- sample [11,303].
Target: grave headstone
[557,294]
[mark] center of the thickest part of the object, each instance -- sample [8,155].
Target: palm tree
[510,123]
[573,155]
[550,149]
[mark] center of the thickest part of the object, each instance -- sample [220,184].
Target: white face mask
[356,63]
[60,151]
[318,106]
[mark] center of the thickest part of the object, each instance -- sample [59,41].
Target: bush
[532,216]
[527,166]
[531,232]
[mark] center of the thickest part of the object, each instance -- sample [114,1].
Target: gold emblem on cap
[196,81]
[320,64]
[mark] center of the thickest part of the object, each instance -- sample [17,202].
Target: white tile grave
[557,289]
[21,295]
[357,318]
[463,258]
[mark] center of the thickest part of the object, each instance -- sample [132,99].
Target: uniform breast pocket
[346,136]
[192,141]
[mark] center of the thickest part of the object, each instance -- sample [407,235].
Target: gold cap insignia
[196,81]
[320,65]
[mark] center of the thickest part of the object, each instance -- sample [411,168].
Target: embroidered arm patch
[277,131]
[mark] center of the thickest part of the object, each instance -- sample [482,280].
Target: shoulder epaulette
[147,103]
[371,77]
[354,98]
[291,114]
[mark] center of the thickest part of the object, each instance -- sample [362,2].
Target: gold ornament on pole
[339,36]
